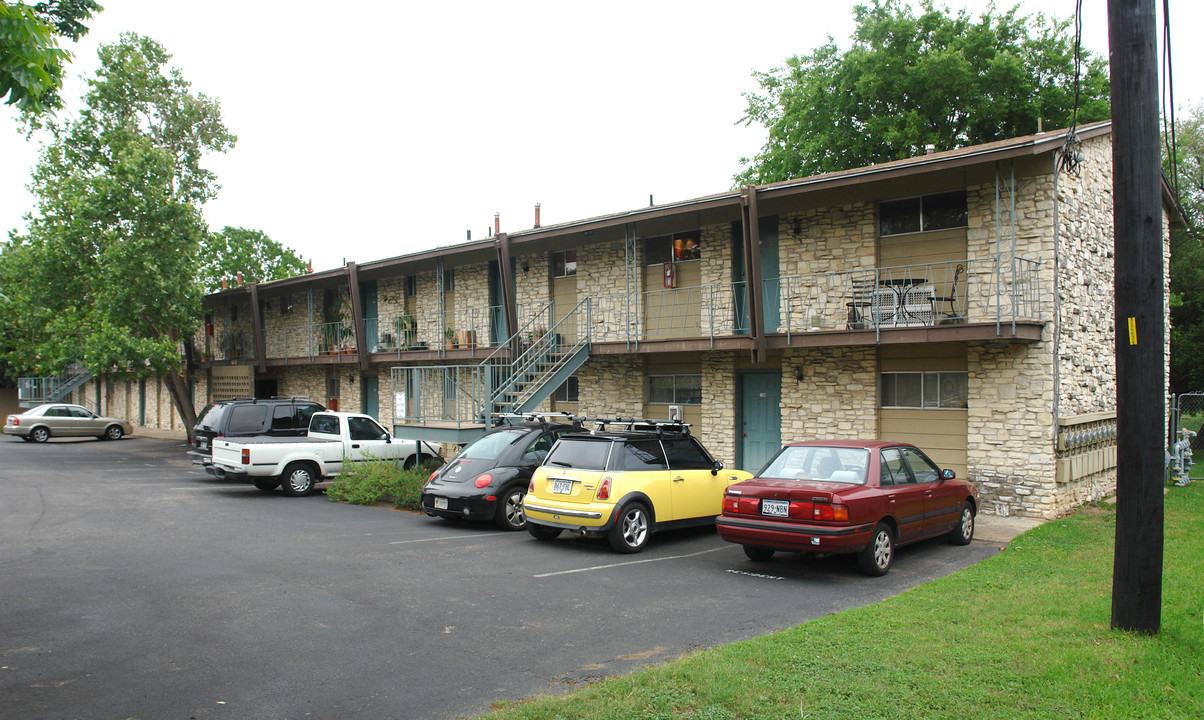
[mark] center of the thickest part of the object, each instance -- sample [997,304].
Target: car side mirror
[388,440]
[948,475]
[716,467]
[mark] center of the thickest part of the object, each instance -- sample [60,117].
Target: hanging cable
[1071,158]
[1168,91]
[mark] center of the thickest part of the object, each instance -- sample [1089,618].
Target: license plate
[776,508]
[440,503]
[562,487]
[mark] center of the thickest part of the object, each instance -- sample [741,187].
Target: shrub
[370,481]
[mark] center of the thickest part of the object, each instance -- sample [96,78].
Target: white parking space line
[450,537]
[631,562]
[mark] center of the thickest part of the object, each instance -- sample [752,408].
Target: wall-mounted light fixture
[525,265]
[798,373]
[351,378]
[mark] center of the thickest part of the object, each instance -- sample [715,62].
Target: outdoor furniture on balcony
[952,314]
[904,302]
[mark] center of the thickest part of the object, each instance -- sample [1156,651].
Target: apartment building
[960,300]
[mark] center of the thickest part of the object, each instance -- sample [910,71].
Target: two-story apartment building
[960,300]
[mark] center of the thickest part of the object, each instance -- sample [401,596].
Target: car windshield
[818,464]
[489,447]
[211,416]
[581,453]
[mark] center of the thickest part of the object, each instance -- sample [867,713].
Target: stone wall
[822,243]
[837,397]
[531,288]
[602,275]
[610,385]
[717,430]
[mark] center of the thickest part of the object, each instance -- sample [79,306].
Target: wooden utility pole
[1140,334]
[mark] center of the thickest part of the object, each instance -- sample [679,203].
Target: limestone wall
[837,397]
[609,385]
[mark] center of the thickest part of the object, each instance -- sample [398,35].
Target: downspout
[261,362]
[1057,299]
[752,272]
[506,280]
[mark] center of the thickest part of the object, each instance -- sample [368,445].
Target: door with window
[904,496]
[942,502]
[564,291]
[367,439]
[696,492]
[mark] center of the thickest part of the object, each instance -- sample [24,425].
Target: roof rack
[635,424]
[540,417]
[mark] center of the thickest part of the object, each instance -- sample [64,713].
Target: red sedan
[851,496]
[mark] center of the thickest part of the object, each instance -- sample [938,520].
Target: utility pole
[1140,334]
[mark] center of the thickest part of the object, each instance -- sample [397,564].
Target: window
[576,452]
[328,424]
[673,390]
[535,454]
[79,412]
[922,214]
[411,285]
[921,467]
[641,455]
[245,419]
[332,383]
[686,454]
[567,392]
[948,390]
[282,417]
[449,280]
[564,264]
[678,247]
[365,429]
[894,470]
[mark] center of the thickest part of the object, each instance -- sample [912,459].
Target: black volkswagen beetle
[487,479]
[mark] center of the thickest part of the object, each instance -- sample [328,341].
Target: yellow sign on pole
[1132,331]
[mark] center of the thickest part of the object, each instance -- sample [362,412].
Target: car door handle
[355,446]
[891,498]
[679,479]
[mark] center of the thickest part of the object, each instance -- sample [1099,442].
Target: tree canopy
[251,253]
[31,61]
[1187,259]
[912,79]
[106,274]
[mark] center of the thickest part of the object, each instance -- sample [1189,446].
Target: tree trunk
[183,401]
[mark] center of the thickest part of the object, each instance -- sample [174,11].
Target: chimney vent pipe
[536,214]
[497,223]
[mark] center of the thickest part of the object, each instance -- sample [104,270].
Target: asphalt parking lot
[135,586]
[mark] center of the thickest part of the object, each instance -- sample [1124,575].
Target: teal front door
[371,396]
[371,321]
[770,282]
[760,421]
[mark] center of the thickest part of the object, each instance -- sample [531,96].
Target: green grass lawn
[1023,634]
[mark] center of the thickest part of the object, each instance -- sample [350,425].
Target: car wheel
[266,484]
[759,554]
[543,532]
[510,509]
[964,532]
[876,558]
[114,432]
[298,479]
[39,434]
[630,532]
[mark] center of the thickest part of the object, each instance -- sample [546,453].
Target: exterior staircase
[456,403]
[34,391]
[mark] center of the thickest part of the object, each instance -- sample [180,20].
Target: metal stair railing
[39,390]
[543,361]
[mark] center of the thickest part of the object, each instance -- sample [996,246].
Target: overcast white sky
[385,128]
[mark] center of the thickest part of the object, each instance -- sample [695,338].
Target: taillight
[433,474]
[15,420]
[531,486]
[800,510]
[828,511]
[246,456]
[604,489]
[483,480]
[731,504]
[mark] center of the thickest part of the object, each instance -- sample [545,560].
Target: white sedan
[61,420]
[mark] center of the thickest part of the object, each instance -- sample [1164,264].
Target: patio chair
[861,297]
[952,315]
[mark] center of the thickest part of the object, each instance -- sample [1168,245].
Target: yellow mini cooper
[626,485]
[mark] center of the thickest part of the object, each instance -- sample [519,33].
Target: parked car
[864,497]
[296,465]
[488,478]
[43,422]
[249,417]
[626,485]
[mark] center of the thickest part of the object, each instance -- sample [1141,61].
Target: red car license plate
[776,508]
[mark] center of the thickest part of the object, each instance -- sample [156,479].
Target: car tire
[964,532]
[39,435]
[266,484]
[298,479]
[26,438]
[879,554]
[114,432]
[542,532]
[758,554]
[631,530]
[510,509]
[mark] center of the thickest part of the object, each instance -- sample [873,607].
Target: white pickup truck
[296,465]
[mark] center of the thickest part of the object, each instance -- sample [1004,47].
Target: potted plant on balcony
[449,335]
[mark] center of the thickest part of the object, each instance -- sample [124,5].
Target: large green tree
[106,274]
[1187,259]
[251,253]
[915,78]
[31,61]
